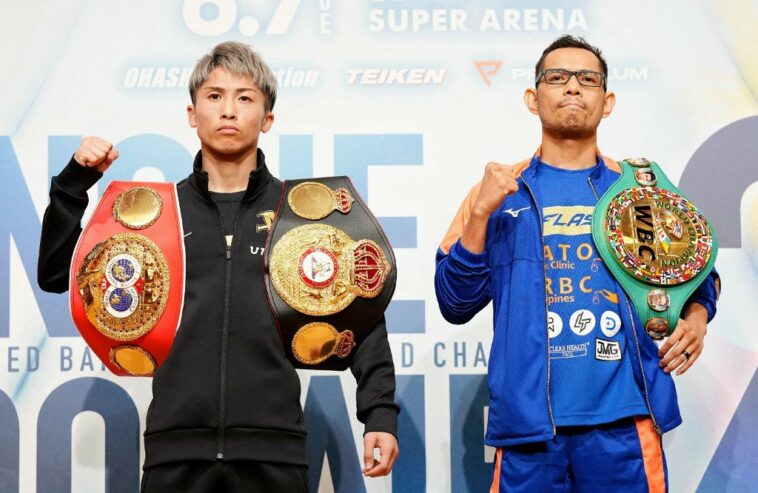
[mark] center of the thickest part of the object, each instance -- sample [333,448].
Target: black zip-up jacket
[226,390]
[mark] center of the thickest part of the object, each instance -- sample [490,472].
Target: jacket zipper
[547,318]
[636,343]
[225,332]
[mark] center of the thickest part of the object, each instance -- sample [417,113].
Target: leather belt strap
[126,285]
[330,271]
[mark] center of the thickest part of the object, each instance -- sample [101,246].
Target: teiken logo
[219,17]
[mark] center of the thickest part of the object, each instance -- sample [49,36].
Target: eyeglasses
[561,76]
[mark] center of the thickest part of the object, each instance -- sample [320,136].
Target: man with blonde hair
[226,413]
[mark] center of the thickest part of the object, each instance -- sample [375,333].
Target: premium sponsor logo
[395,76]
[614,73]
[487,69]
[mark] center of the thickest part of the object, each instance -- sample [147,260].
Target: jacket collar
[259,177]
[605,163]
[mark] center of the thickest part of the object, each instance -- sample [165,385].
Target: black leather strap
[362,315]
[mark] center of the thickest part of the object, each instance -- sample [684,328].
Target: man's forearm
[474,235]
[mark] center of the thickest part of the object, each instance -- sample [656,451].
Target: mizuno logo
[516,212]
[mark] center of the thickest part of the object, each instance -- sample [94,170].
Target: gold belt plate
[124,283]
[319,270]
[658,236]
[313,200]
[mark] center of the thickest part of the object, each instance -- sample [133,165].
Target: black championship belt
[330,271]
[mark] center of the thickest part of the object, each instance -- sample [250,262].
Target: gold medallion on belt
[124,283]
[319,270]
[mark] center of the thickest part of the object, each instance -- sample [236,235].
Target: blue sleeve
[462,283]
[707,294]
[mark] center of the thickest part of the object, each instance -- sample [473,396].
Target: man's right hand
[499,182]
[95,152]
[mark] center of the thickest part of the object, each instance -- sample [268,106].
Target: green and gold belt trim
[654,241]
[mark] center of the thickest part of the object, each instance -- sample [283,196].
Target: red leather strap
[167,234]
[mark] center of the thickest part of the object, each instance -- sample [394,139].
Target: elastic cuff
[382,419]
[77,179]
[471,259]
[708,304]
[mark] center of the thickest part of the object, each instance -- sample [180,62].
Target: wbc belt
[330,271]
[126,282]
[654,241]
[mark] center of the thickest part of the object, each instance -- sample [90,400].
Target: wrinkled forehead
[572,59]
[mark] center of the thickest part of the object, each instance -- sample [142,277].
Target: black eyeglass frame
[571,73]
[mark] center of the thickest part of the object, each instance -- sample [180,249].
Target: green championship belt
[655,243]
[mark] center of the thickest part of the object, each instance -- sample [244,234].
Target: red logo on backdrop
[487,69]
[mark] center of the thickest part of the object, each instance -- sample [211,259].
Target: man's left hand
[388,452]
[684,345]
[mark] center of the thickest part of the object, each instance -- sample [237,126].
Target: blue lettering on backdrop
[329,433]
[734,465]
[23,225]
[121,434]
[9,445]
[409,474]
[468,397]
[295,157]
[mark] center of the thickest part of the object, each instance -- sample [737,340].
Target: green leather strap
[654,242]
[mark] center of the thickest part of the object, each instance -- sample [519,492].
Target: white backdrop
[411,98]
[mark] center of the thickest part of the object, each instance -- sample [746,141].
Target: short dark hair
[568,41]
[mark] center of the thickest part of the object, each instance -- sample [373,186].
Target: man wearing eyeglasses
[579,394]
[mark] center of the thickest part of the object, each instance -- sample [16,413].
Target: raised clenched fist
[95,152]
[499,182]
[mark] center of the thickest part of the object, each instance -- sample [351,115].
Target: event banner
[411,99]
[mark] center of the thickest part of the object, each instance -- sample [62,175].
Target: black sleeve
[61,225]
[374,371]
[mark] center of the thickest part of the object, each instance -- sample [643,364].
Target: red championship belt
[126,282]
